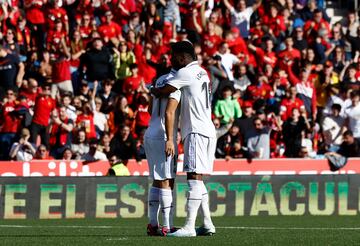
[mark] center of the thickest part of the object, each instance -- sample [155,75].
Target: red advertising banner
[221,167]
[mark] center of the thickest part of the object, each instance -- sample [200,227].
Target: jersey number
[207,97]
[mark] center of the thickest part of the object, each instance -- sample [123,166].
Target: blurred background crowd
[74,75]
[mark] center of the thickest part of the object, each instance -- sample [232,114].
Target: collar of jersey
[192,64]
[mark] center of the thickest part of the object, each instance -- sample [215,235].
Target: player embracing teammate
[162,168]
[197,131]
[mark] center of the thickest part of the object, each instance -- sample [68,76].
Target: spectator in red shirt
[266,56]
[9,124]
[123,10]
[313,26]
[56,12]
[237,44]
[257,33]
[85,121]
[86,28]
[44,105]
[42,153]
[60,131]
[110,29]
[35,16]
[31,92]
[290,54]
[156,43]
[23,37]
[55,37]
[142,117]
[145,69]
[211,41]
[77,48]
[132,83]
[61,76]
[275,21]
[259,90]
[289,103]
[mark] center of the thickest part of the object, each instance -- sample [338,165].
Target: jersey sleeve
[176,95]
[180,80]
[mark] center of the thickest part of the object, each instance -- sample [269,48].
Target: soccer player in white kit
[197,131]
[162,168]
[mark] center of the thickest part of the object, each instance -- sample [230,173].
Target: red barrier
[221,167]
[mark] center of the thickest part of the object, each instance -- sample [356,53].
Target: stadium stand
[75,72]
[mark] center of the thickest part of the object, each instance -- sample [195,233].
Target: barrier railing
[221,167]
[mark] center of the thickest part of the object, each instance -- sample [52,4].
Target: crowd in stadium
[74,76]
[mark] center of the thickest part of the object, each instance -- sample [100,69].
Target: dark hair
[257,118]
[67,94]
[133,66]
[67,147]
[354,94]
[13,89]
[352,66]
[93,141]
[336,106]
[62,106]
[316,11]
[348,133]
[184,47]
[227,88]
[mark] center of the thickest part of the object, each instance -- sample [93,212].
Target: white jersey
[353,113]
[195,110]
[156,129]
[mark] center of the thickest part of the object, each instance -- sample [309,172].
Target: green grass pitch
[262,230]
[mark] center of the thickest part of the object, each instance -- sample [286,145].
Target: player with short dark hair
[197,131]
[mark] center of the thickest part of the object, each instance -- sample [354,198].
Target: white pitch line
[287,228]
[117,239]
[218,227]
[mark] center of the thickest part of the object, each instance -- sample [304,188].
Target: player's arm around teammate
[169,126]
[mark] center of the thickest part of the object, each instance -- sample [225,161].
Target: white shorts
[161,167]
[199,153]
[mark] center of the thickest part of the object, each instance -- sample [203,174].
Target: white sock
[165,205]
[193,203]
[205,207]
[172,211]
[153,202]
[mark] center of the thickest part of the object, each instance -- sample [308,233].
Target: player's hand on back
[155,91]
